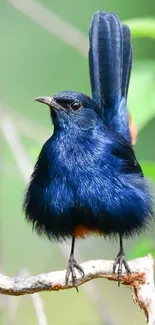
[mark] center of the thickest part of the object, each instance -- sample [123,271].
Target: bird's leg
[72,265]
[120,261]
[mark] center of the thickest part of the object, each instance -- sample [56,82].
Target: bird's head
[70,107]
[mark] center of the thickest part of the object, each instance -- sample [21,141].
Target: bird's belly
[81,231]
[86,202]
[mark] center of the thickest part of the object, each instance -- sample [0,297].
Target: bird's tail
[110,60]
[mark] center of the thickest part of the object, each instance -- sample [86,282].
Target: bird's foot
[72,265]
[120,261]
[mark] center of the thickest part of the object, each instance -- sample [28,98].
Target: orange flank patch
[133,129]
[81,231]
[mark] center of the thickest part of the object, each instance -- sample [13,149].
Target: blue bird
[87,179]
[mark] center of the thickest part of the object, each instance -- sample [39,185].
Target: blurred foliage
[142,27]
[34,62]
[149,170]
[142,92]
[142,247]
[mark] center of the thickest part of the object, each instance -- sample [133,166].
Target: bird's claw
[120,261]
[72,265]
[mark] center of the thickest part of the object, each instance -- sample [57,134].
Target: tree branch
[141,281]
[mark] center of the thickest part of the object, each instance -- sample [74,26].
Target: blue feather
[110,58]
[127,59]
[86,175]
[105,58]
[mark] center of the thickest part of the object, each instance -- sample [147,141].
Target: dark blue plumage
[127,60]
[110,59]
[87,175]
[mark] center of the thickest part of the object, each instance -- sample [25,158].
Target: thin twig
[17,149]
[141,281]
[54,24]
[25,125]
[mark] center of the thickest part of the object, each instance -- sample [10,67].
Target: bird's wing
[125,153]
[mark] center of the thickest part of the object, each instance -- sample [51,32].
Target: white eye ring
[75,106]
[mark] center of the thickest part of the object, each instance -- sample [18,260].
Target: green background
[34,62]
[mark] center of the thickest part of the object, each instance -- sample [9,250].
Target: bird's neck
[74,142]
[72,138]
[69,136]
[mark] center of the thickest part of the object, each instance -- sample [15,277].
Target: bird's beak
[46,100]
[49,101]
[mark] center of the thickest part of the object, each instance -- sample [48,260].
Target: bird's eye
[75,106]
